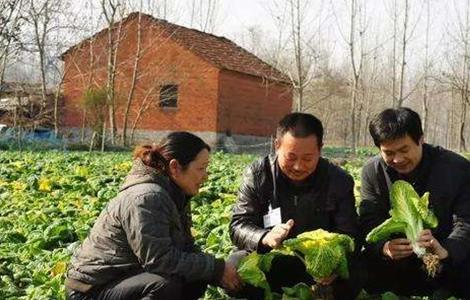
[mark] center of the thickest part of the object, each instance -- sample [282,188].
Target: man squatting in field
[392,265]
[300,191]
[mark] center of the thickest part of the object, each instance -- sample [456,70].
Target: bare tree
[10,22]
[458,77]
[293,52]
[41,14]
[304,56]
[394,53]
[137,70]
[130,97]
[94,102]
[204,14]
[403,56]
[425,104]
[357,56]
[112,10]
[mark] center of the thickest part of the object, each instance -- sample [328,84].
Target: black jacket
[446,175]
[325,201]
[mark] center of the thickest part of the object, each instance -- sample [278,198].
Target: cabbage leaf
[410,214]
[322,252]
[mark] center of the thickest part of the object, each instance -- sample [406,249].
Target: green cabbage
[253,267]
[409,215]
[322,252]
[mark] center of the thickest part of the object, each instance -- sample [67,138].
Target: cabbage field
[49,201]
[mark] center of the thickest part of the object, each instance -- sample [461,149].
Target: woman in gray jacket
[141,245]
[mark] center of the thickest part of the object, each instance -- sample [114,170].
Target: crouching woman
[141,247]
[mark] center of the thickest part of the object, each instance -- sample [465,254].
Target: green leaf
[265,260]
[390,296]
[428,216]
[323,252]
[384,230]
[250,271]
[300,291]
[409,214]
[343,270]
[322,261]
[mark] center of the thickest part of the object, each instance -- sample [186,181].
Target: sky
[235,17]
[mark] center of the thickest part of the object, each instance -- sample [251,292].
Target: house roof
[218,51]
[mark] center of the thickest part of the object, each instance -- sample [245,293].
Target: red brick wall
[249,106]
[163,62]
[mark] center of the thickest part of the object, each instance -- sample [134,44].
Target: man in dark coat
[392,265]
[293,191]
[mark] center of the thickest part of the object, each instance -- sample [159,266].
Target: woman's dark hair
[300,125]
[180,145]
[394,123]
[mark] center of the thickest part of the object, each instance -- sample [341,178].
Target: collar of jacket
[141,173]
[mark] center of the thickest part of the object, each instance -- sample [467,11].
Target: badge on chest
[272,218]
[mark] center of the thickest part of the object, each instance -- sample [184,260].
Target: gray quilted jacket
[146,228]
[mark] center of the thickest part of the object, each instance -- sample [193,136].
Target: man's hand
[230,279]
[275,237]
[397,249]
[427,241]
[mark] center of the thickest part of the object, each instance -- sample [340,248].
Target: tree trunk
[143,107]
[298,58]
[355,75]
[4,63]
[103,136]
[426,71]
[56,110]
[403,57]
[463,117]
[82,130]
[134,80]
[394,55]
[113,46]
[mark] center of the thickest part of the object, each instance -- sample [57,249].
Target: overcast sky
[234,18]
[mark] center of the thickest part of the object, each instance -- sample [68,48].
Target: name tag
[272,218]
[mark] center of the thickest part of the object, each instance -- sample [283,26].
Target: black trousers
[407,277]
[287,271]
[145,286]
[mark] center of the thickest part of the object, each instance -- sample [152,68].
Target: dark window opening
[169,95]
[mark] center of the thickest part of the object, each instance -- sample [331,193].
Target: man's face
[297,157]
[402,154]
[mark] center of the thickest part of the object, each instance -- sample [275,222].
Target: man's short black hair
[394,123]
[301,125]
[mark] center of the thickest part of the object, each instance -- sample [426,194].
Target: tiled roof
[218,51]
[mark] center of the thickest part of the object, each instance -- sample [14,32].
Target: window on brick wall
[168,96]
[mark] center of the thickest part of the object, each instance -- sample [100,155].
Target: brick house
[184,80]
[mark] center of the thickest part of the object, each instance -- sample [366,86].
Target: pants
[145,286]
[287,271]
[407,277]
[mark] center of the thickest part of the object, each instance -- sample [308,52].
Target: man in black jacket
[291,192]
[392,266]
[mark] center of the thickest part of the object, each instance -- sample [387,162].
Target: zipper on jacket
[295,200]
